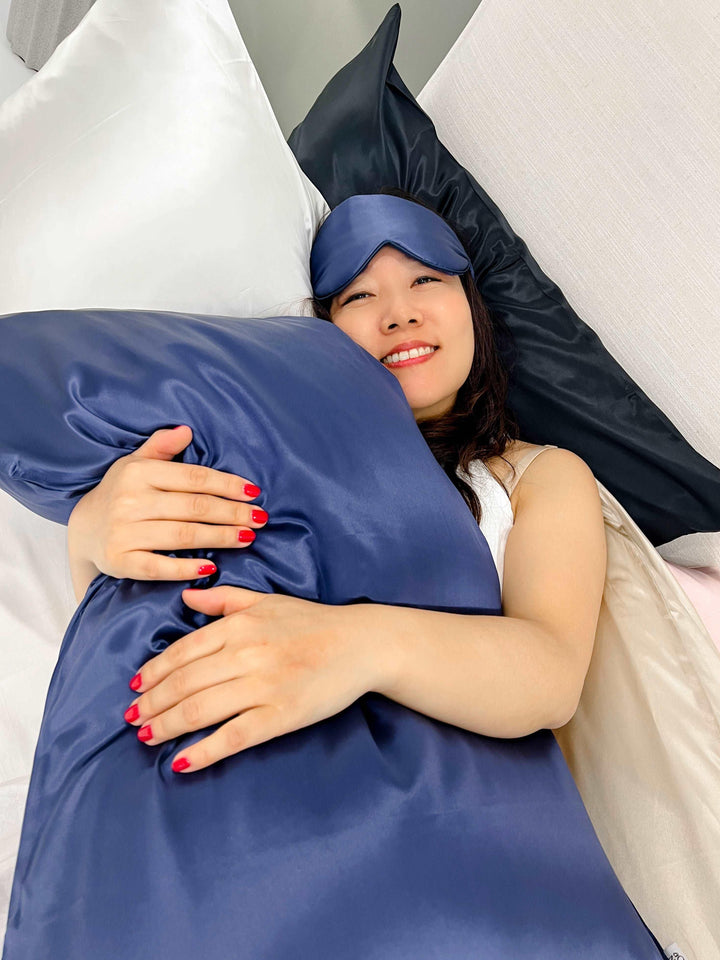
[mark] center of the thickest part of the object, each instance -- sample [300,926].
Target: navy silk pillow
[366,131]
[378,832]
[293,403]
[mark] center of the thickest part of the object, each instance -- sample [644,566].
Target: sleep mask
[358,227]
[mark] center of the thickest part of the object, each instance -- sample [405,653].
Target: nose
[401,314]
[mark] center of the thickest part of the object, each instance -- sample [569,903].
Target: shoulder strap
[524,462]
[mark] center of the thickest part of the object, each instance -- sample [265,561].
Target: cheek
[356,331]
[462,325]
[466,342]
[357,334]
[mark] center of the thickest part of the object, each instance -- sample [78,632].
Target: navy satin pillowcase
[366,131]
[360,510]
[291,403]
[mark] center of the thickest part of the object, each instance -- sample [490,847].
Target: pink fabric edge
[702,586]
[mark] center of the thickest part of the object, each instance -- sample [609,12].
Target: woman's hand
[271,665]
[146,501]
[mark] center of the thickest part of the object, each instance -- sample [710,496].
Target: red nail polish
[206,568]
[251,490]
[132,713]
[136,682]
[145,733]
[259,516]
[246,536]
[180,764]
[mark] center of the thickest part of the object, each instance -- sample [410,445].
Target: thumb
[165,444]
[220,601]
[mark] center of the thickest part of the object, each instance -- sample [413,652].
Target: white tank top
[497,515]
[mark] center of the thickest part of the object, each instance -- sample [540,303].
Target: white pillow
[141,167]
[594,129]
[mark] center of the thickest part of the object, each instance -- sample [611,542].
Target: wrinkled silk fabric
[644,744]
[377,833]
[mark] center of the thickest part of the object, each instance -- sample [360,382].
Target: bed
[175,158]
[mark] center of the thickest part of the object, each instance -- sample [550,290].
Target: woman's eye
[354,295]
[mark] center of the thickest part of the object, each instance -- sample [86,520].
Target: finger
[187,535]
[145,564]
[209,706]
[199,508]
[195,478]
[197,644]
[181,702]
[164,444]
[140,565]
[253,726]
[222,600]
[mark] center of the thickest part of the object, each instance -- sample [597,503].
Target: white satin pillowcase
[142,168]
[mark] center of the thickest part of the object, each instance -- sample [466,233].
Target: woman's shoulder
[516,452]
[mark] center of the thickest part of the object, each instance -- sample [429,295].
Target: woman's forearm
[494,675]
[82,570]
[82,573]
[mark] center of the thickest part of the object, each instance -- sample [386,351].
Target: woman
[386,270]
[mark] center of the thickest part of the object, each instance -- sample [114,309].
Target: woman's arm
[82,571]
[512,675]
[502,676]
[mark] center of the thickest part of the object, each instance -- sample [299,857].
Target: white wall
[298,45]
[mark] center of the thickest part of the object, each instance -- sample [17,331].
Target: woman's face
[397,299]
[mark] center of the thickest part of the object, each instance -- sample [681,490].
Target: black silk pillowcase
[366,131]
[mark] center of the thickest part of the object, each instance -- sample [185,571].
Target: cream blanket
[644,744]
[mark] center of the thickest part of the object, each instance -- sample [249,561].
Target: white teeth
[408,354]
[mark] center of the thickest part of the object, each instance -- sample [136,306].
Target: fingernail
[180,764]
[259,516]
[251,490]
[246,536]
[132,713]
[136,682]
[206,568]
[145,733]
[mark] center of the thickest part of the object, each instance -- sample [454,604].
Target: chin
[425,407]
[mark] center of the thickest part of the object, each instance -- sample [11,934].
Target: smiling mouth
[409,360]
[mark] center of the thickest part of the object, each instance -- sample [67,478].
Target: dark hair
[479,425]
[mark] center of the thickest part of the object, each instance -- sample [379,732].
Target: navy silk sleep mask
[358,227]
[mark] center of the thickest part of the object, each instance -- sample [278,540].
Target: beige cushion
[594,127]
